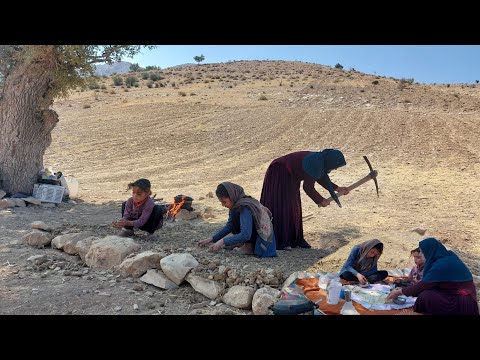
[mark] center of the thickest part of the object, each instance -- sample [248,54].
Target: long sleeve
[246,221]
[416,289]
[227,229]
[127,214]
[309,188]
[352,258]
[324,184]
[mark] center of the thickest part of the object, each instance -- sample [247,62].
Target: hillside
[200,125]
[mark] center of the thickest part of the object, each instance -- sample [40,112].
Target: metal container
[348,295]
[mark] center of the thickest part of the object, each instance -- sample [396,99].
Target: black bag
[294,307]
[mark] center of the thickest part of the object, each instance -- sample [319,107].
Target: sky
[441,64]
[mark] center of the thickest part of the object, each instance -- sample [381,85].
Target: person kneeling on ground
[447,286]
[361,264]
[249,221]
[140,211]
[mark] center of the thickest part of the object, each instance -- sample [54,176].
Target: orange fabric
[314,293]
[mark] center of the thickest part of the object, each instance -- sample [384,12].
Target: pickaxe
[372,175]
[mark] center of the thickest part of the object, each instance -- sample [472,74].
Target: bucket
[71,184]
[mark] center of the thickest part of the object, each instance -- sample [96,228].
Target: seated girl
[248,220]
[417,271]
[361,264]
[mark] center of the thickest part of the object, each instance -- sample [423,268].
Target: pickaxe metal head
[373,173]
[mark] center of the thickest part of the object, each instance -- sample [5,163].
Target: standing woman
[447,286]
[281,190]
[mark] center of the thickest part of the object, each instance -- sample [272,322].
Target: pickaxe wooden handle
[363,180]
[371,176]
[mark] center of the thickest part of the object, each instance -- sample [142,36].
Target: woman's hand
[394,294]
[342,189]
[363,280]
[324,203]
[217,246]
[205,242]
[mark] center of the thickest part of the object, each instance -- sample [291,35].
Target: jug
[333,291]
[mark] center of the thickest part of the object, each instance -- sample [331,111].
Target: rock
[117,308]
[209,288]
[104,294]
[239,296]
[6,203]
[263,299]
[110,251]
[38,259]
[37,238]
[157,278]
[81,247]
[32,200]
[209,195]
[59,241]
[40,225]
[419,230]
[2,193]
[71,246]
[19,202]
[139,264]
[199,305]
[184,214]
[176,266]
[135,307]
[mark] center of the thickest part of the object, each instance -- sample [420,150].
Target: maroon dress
[281,194]
[444,298]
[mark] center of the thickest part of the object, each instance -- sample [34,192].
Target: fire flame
[175,208]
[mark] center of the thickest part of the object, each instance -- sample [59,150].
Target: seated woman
[447,286]
[417,271]
[249,221]
[361,264]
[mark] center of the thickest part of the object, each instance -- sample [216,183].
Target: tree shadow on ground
[330,242]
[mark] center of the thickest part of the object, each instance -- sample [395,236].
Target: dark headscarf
[319,164]
[262,217]
[363,263]
[442,265]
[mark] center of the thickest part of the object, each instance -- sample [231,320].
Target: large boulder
[81,247]
[209,288]
[176,266]
[263,299]
[110,251]
[138,265]
[157,278]
[37,238]
[239,296]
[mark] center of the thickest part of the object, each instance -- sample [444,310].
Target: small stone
[104,294]
[212,303]
[135,307]
[117,308]
[149,293]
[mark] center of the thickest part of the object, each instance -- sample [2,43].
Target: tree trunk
[26,122]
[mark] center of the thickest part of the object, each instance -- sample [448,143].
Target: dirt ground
[227,122]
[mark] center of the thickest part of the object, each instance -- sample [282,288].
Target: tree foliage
[199,59]
[73,63]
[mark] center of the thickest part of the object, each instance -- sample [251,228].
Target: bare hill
[200,125]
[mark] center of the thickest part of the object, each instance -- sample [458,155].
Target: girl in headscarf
[281,190]
[361,264]
[248,220]
[447,286]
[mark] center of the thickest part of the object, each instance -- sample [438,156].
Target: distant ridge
[121,67]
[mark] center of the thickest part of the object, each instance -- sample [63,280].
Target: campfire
[179,202]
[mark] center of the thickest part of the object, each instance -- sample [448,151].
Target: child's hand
[122,223]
